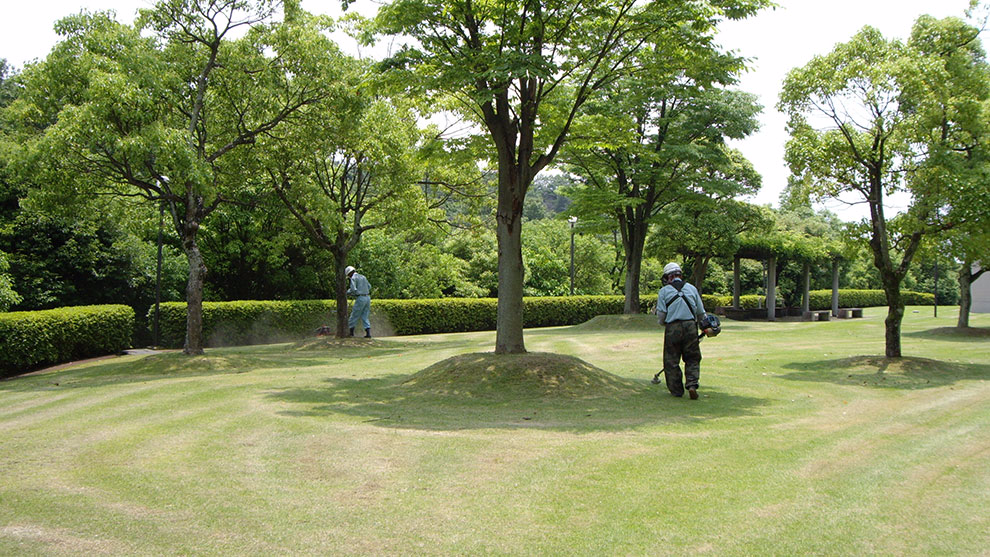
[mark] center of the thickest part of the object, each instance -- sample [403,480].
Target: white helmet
[348,270]
[671,268]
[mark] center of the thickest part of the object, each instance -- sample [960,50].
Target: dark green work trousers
[680,340]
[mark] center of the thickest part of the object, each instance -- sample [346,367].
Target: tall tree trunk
[699,271]
[634,242]
[965,294]
[194,292]
[966,279]
[340,292]
[880,246]
[892,324]
[509,316]
[891,281]
[895,313]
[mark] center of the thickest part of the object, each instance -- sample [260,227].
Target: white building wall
[981,294]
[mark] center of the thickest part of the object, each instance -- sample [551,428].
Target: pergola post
[772,288]
[736,283]
[835,288]
[806,297]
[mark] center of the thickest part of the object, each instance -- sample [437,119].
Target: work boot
[367,333]
[352,332]
[693,393]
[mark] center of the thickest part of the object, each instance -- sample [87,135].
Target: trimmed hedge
[243,322]
[252,322]
[32,339]
[822,299]
[445,315]
[255,322]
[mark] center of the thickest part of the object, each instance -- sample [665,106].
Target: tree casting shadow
[888,373]
[954,334]
[220,361]
[387,402]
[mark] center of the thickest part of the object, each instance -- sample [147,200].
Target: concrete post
[772,289]
[835,288]
[736,283]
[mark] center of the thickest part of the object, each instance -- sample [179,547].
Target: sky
[776,41]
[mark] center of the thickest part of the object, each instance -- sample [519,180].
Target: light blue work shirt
[359,285]
[669,302]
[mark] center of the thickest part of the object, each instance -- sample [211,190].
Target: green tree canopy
[352,164]
[155,110]
[656,139]
[878,116]
[522,70]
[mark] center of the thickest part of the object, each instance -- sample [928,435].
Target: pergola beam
[773,259]
[772,288]
[736,282]
[835,288]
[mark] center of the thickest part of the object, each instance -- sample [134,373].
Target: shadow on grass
[219,361]
[389,402]
[955,334]
[888,373]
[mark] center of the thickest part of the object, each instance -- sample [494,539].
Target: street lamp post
[936,283]
[572,220]
[158,271]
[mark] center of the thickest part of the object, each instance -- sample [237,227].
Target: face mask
[677,282]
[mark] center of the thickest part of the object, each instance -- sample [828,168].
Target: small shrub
[752,301]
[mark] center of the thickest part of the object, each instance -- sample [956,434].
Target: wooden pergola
[807,250]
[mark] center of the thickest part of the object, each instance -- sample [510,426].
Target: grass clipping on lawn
[533,374]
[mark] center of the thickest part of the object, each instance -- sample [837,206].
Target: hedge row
[409,317]
[822,299]
[32,339]
[253,322]
[243,322]
[29,340]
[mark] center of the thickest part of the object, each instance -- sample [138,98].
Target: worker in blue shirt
[360,290]
[679,308]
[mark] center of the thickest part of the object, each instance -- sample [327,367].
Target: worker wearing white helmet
[679,308]
[360,289]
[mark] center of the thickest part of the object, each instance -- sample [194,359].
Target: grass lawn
[804,441]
